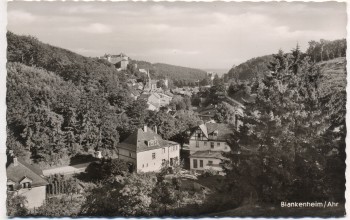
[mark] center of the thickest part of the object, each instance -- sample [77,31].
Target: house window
[201,163]
[210,163]
[195,165]
[171,161]
[10,187]
[163,161]
[197,144]
[26,185]
[153,156]
[199,135]
[212,145]
[218,144]
[205,143]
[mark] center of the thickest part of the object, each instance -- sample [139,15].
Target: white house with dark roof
[26,180]
[207,143]
[147,151]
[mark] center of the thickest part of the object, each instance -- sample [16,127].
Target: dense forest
[61,104]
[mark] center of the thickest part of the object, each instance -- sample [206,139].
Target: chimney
[155,129]
[145,128]
[15,162]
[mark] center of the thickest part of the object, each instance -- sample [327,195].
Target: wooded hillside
[60,103]
[161,70]
[318,52]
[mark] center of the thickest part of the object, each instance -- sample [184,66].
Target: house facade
[156,100]
[210,136]
[25,180]
[147,151]
[207,143]
[204,160]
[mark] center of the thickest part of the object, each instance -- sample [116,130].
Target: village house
[134,94]
[204,160]
[164,99]
[152,99]
[206,144]
[207,113]
[156,100]
[26,180]
[147,151]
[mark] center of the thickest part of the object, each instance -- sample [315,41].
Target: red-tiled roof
[22,170]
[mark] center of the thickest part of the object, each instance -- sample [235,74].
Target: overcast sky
[201,35]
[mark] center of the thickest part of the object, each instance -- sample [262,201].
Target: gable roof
[224,131]
[134,91]
[22,171]
[204,129]
[137,141]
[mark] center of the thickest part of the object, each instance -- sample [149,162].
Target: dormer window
[152,143]
[26,183]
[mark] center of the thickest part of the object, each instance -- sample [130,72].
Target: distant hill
[162,70]
[318,52]
[250,69]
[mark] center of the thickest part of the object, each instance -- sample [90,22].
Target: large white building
[121,61]
[207,143]
[147,151]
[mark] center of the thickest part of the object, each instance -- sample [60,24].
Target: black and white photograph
[175,109]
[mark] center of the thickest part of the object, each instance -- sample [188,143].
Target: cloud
[215,35]
[173,51]
[20,17]
[159,27]
[97,28]
[82,9]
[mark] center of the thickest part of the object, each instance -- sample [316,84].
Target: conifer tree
[275,153]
